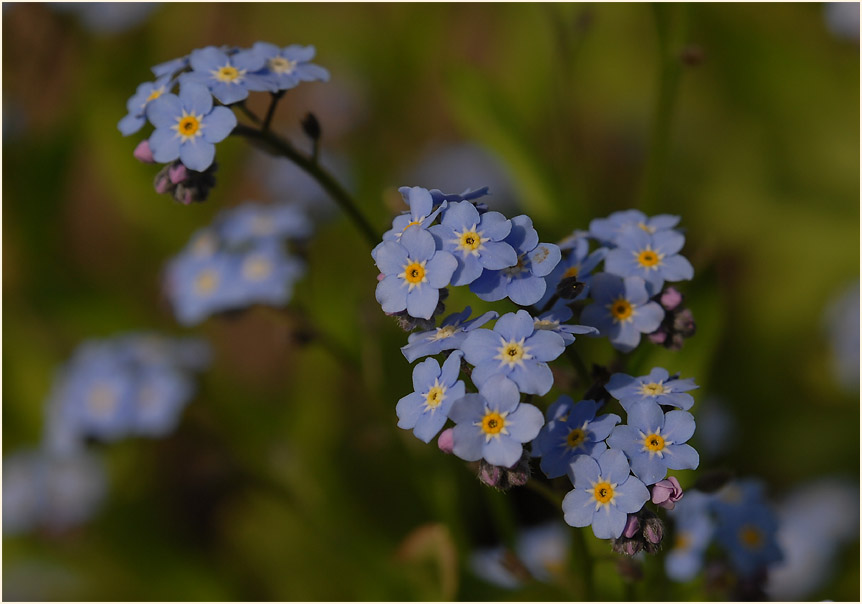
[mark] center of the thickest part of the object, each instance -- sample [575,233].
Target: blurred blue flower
[286,67]
[653,257]
[622,310]
[256,221]
[523,283]
[264,274]
[467,195]
[228,78]
[475,241]
[841,318]
[414,272]
[544,550]
[54,492]
[580,433]
[515,349]
[555,321]
[171,67]
[842,19]
[435,389]
[188,126]
[451,334]
[657,387]
[654,441]
[604,494]
[137,104]
[199,286]
[748,533]
[693,530]
[107,17]
[494,424]
[609,230]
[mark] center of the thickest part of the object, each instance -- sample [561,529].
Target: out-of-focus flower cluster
[131,385]
[242,259]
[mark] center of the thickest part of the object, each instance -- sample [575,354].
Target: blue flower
[493,424]
[255,221]
[169,68]
[580,433]
[555,321]
[514,349]
[469,195]
[608,230]
[656,387]
[451,334]
[422,212]
[137,105]
[188,126]
[228,78]
[286,67]
[264,274]
[435,390]
[475,241]
[578,263]
[199,285]
[654,442]
[622,310]
[161,394]
[604,494]
[558,411]
[654,258]
[747,532]
[693,530]
[523,283]
[414,272]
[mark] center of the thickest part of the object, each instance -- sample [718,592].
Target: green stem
[248,112]
[671,23]
[580,367]
[279,146]
[583,562]
[276,96]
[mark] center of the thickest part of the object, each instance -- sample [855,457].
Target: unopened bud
[177,173]
[670,298]
[627,547]
[311,126]
[653,529]
[632,527]
[570,288]
[666,493]
[446,441]
[683,323]
[505,478]
[162,182]
[658,336]
[143,153]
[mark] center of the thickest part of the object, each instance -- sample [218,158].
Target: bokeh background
[288,478]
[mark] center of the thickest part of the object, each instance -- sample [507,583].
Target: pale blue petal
[648,317]
[391,258]
[195,98]
[451,368]
[481,345]
[578,507]
[668,242]
[501,393]
[545,345]
[681,457]
[526,291]
[197,154]
[496,255]
[424,375]
[468,409]
[502,451]
[218,124]
[484,371]
[165,145]
[408,410]
[391,294]
[631,495]
[440,267]
[635,290]
[524,423]
[543,259]
[419,243]
[467,442]
[677,268]
[608,523]
[533,378]
[429,424]
[496,226]
[490,286]
[165,111]
[207,59]
[460,215]
[422,301]
[515,326]
[614,465]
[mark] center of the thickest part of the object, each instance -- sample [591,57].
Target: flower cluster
[187,105]
[489,377]
[239,260]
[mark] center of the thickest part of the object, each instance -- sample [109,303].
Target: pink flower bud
[381,277]
[177,173]
[446,441]
[666,493]
[670,298]
[162,184]
[143,153]
[632,527]
[658,337]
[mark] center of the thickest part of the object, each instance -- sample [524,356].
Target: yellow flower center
[188,126]
[751,536]
[576,438]
[414,273]
[653,442]
[204,245]
[603,491]
[445,332]
[102,399]
[646,228]
[572,271]
[206,281]
[256,268]
[682,541]
[512,353]
[652,389]
[227,73]
[281,65]
[545,324]
[156,93]
[621,310]
[263,225]
[412,223]
[493,423]
[514,271]
[435,396]
[471,240]
[648,258]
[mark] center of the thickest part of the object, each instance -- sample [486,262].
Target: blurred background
[287,478]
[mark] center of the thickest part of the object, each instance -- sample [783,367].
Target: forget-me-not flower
[748,533]
[451,334]
[515,349]
[524,282]
[608,230]
[604,494]
[657,387]
[286,67]
[654,441]
[414,272]
[198,286]
[137,105]
[435,389]
[422,212]
[188,126]
[260,221]
[555,321]
[653,257]
[228,77]
[493,424]
[581,433]
[622,310]
[693,530]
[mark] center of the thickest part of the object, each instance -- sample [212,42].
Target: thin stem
[671,23]
[279,146]
[276,96]
[578,364]
[248,112]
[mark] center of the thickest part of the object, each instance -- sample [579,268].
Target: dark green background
[288,478]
